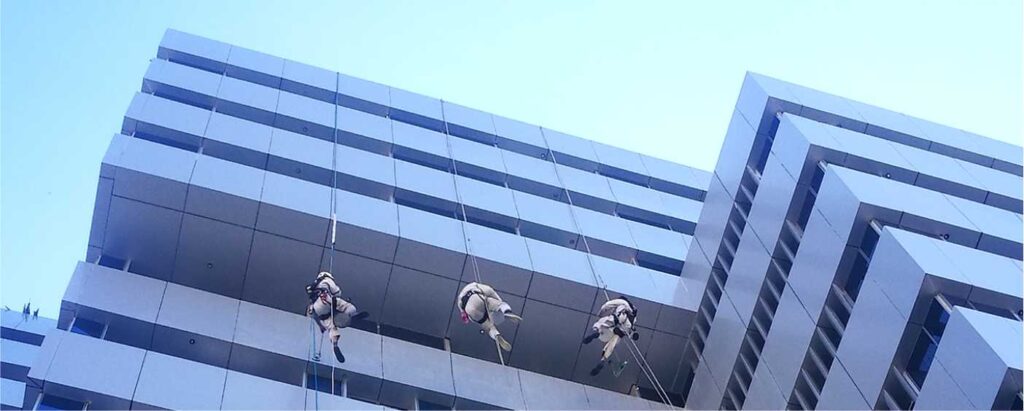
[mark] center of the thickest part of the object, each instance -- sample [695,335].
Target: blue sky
[660,78]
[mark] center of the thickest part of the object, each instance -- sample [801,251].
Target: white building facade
[217,200]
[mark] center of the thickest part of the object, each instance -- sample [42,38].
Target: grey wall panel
[941,392]
[198,311]
[722,345]
[787,341]
[100,211]
[764,393]
[276,264]
[13,393]
[547,328]
[243,391]
[976,350]
[869,345]
[681,208]
[141,157]
[816,266]
[709,232]
[294,208]
[365,173]
[78,359]
[364,90]
[219,190]
[547,393]
[432,371]
[606,400]
[424,237]
[502,260]
[174,383]
[581,152]
[118,291]
[621,163]
[736,149]
[212,255]
[363,130]
[659,241]
[771,205]
[746,276]
[521,137]
[675,173]
[255,66]
[174,43]
[487,202]
[309,75]
[487,382]
[704,393]
[366,226]
[843,394]
[18,353]
[244,99]
[419,301]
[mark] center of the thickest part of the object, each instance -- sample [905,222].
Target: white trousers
[477,305]
[605,329]
[342,317]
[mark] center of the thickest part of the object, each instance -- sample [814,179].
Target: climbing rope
[316,379]
[458,197]
[314,354]
[634,350]
[464,219]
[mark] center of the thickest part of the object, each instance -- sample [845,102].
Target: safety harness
[465,300]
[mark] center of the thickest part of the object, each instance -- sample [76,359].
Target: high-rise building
[216,204]
[20,337]
[841,243]
[214,211]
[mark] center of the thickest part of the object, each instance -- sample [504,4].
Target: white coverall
[326,291]
[605,327]
[480,303]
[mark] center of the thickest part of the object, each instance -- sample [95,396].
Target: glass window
[112,262]
[870,240]
[87,327]
[856,277]
[921,358]
[322,382]
[427,405]
[52,402]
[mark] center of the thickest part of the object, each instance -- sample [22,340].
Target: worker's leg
[595,332]
[506,312]
[606,335]
[475,308]
[335,336]
[495,335]
[350,311]
[609,347]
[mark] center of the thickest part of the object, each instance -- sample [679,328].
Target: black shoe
[597,369]
[589,338]
[338,354]
[360,315]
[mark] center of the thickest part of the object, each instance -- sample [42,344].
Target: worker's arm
[458,303]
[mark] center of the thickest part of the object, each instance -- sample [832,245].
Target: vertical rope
[334,206]
[464,220]
[631,345]
[458,197]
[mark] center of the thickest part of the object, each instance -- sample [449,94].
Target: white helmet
[324,274]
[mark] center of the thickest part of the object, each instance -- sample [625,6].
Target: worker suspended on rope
[480,303]
[616,319]
[331,312]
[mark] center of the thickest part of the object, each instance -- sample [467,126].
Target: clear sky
[660,78]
